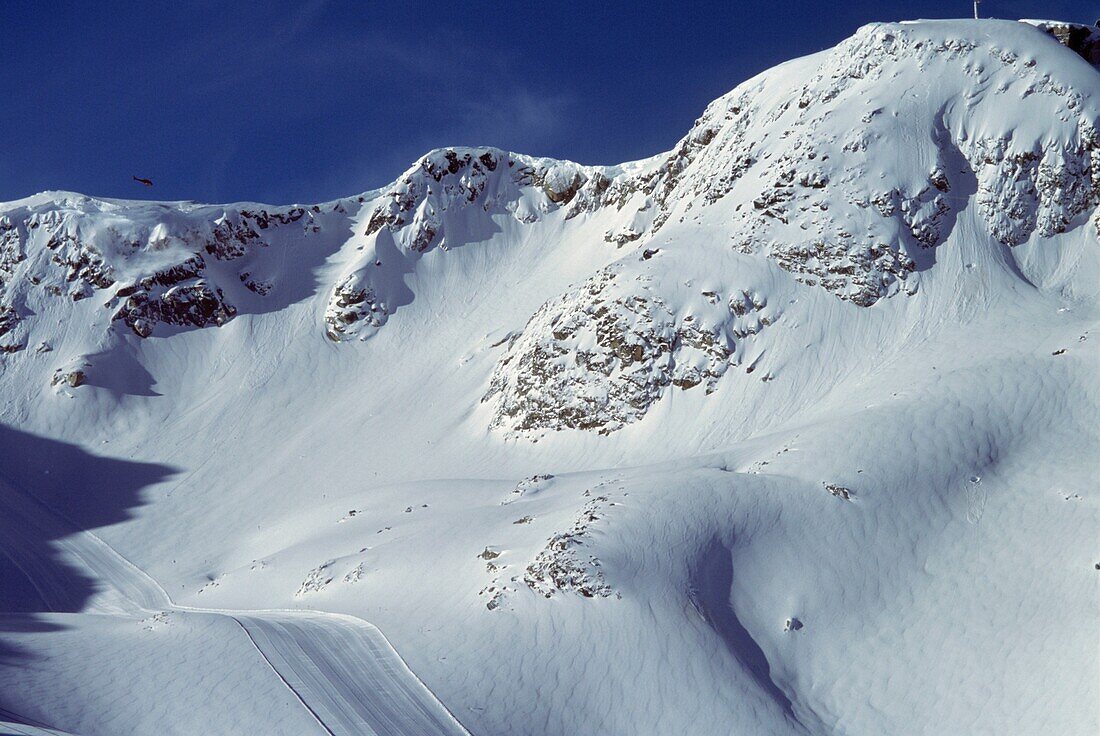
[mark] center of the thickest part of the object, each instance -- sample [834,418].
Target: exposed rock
[590,196]
[1021,192]
[9,318]
[317,579]
[355,574]
[232,237]
[352,306]
[442,181]
[197,304]
[255,285]
[192,268]
[562,566]
[599,356]
[176,295]
[264,219]
[839,491]
[1085,40]
[11,248]
[453,179]
[527,487]
[70,378]
[83,263]
[560,182]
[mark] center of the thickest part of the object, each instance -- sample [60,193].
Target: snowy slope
[789,430]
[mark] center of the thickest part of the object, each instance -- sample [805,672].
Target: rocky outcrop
[197,304]
[599,356]
[1036,191]
[1082,39]
[9,320]
[317,579]
[177,295]
[70,376]
[255,285]
[563,565]
[232,237]
[444,180]
[352,307]
[84,267]
[11,248]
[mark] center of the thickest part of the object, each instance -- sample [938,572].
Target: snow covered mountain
[790,430]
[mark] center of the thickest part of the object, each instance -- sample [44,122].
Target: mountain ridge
[784,163]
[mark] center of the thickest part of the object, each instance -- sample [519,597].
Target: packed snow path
[342,669]
[12,724]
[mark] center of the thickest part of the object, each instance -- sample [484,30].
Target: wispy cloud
[516,114]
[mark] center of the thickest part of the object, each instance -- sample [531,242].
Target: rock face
[70,375]
[350,308]
[1028,192]
[9,320]
[11,248]
[1084,40]
[196,304]
[563,565]
[600,355]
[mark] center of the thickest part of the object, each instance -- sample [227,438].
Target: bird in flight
[146,182]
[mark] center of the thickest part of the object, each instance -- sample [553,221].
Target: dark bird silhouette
[146,182]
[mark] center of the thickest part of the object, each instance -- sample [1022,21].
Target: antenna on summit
[976,4]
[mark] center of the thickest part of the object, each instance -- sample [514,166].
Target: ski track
[342,669]
[13,724]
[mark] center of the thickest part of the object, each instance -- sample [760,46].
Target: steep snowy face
[451,196]
[848,170]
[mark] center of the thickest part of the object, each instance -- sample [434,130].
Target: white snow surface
[791,430]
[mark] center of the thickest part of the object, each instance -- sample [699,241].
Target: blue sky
[306,101]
